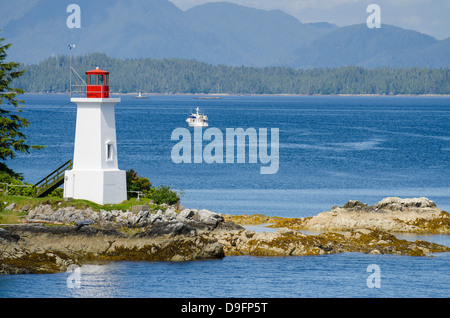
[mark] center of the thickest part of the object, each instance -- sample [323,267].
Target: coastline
[54,237]
[256,95]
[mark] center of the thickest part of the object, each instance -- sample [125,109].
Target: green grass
[9,217]
[21,203]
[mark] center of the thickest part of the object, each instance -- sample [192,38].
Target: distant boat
[197,119]
[140,95]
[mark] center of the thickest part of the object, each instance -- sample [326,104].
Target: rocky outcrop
[161,220]
[392,214]
[40,248]
[415,215]
[285,242]
[53,238]
[80,236]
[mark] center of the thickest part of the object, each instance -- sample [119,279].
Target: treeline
[193,77]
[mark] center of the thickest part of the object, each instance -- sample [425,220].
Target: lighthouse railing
[94,91]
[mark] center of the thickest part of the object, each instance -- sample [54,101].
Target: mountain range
[215,33]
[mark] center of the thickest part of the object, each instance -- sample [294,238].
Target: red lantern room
[97,84]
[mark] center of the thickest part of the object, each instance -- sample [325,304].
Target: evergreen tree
[12,139]
[191,76]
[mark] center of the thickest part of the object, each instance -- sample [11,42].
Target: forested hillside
[193,77]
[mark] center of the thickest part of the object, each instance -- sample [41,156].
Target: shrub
[27,191]
[57,193]
[162,194]
[15,185]
[136,183]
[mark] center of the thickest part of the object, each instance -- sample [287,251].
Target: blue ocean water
[331,150]
[341,275]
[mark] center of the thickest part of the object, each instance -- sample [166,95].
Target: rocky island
[392,214]
[53,237]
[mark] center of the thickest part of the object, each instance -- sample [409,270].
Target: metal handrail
[81,90]
[10,185]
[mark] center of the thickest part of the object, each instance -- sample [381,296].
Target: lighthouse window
[91,80]
[101,80]
[109,151]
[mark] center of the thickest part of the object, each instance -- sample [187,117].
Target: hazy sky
[427,16]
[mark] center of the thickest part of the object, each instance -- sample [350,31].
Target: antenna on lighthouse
[72,70]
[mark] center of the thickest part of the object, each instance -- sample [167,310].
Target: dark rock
[80,224]
[229,226]
[172,228]
[354,204]
[64,230]
[200,219]
[214,250]
[8,236]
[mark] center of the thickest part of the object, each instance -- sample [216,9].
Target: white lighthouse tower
[95,175]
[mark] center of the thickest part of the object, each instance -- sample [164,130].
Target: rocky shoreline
[392,214]
[53,238]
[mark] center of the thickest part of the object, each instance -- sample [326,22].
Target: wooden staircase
[52,181]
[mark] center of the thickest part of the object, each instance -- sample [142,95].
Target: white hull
[197,120]
[198,124]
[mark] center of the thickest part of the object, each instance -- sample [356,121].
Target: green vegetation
[136,185]
[159,195]
[163,194]
[193,77]
[23,200]
[23,204]
[8,216]
[12,139]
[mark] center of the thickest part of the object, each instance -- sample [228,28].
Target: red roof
[97,71]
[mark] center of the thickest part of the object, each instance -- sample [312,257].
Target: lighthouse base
[99,186]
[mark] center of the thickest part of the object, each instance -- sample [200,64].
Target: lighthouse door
[69,184]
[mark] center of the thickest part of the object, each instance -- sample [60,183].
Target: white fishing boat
[197,119]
